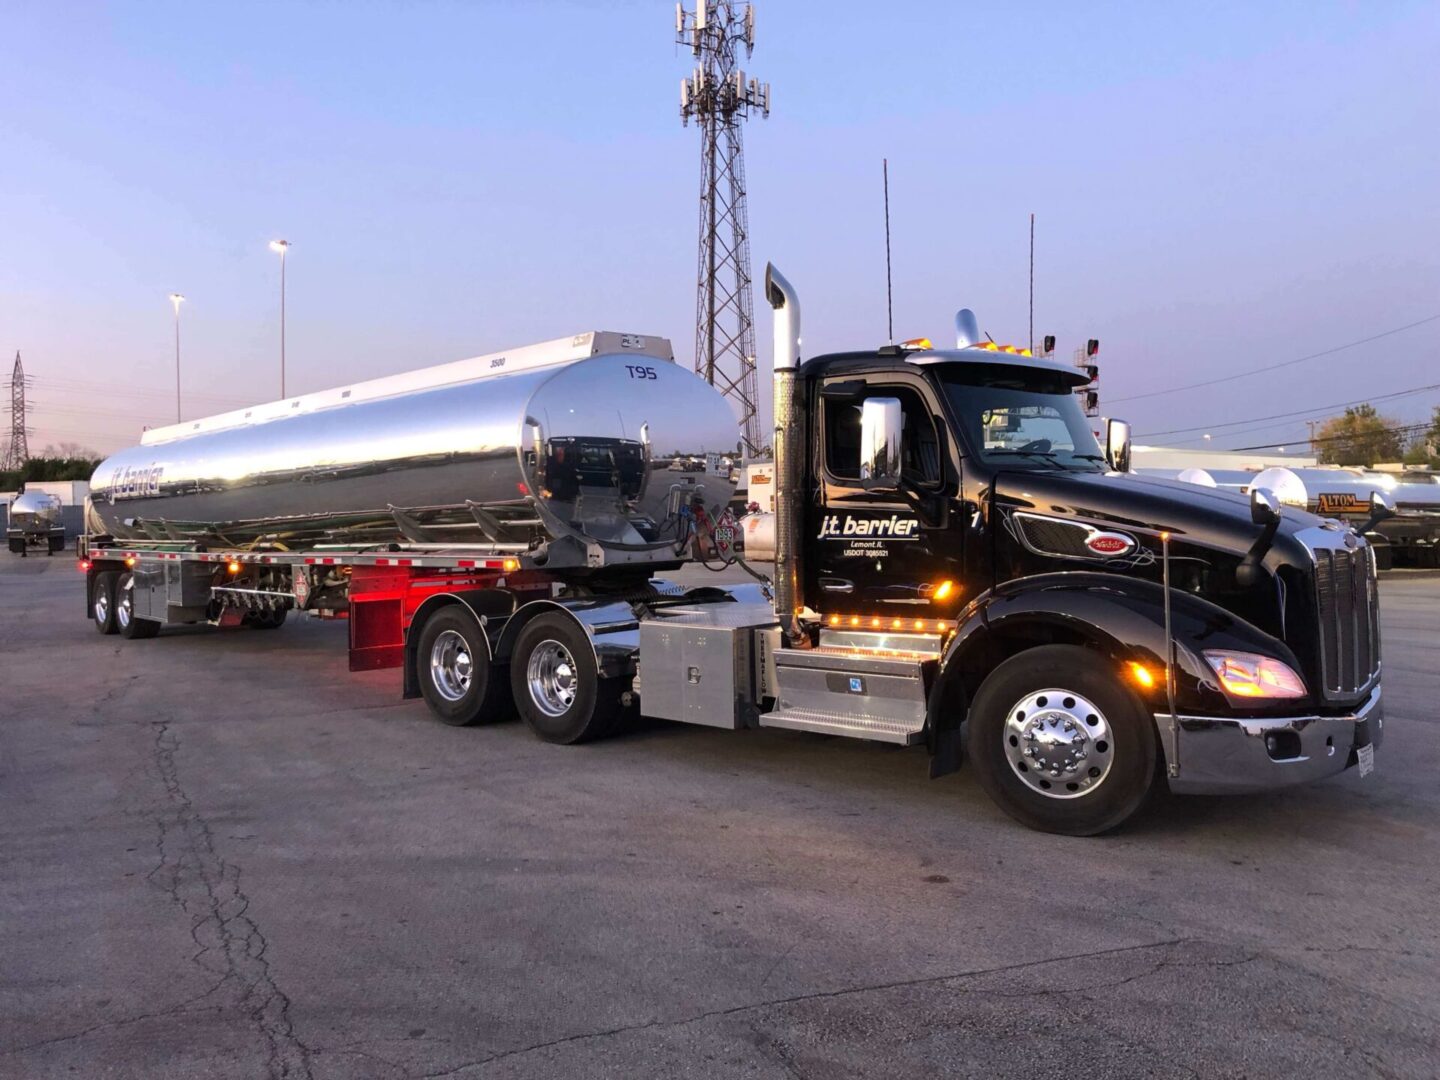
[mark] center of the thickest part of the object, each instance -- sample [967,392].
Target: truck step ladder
[844,691]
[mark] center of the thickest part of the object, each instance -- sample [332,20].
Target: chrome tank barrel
[34,510]
[1345,491]
[603,447]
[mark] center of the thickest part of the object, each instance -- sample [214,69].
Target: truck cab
[1086,628]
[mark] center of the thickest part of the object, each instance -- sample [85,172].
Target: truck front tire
[1060,742]
[557,686]
[453,669]
[102,601]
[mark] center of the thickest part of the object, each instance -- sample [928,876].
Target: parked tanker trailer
[1410,536]
[34,522]
[957,565]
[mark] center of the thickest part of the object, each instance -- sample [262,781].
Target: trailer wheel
[453,669]
[102,601]
[1060,742]
[265,620]
[130,627]
[557,686]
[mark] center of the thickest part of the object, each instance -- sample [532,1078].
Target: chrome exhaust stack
[789,447]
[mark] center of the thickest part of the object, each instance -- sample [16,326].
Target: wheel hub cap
[1059,744]
[451,665]
[551,677]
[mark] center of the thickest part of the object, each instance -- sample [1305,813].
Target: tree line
[1362,436]
[68,461]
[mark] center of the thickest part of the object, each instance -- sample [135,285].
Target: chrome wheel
[124,607]
[451,666]
[551,678]
[102,604]
[1059,744]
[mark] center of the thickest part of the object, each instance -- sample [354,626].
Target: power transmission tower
[17,452]
[718,97]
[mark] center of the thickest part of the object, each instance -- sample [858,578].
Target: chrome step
[859,695]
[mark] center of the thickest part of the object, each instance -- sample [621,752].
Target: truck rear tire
[453,669]
[556,683]
[102,601]
[131,628]
[1060,742]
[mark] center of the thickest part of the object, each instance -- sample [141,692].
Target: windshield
[1021,418]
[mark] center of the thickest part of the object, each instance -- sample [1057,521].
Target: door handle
[837,585]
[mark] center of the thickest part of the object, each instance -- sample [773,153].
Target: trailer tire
[1093,743]
[557,685]
[130,626]
[265,620]
[453,669]
[102,601]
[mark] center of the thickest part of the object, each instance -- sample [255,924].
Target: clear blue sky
[1217,187]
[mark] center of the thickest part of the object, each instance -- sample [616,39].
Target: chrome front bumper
[1210,755]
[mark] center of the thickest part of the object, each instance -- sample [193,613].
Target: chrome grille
[1345,595]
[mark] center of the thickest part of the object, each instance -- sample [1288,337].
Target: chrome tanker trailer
[34,521]
[958,565]
[1409,536]
[562,450]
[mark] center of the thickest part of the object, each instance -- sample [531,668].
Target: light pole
[177,300]
[281,247]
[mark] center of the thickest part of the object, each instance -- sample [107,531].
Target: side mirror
[881,422]
[1264,507]
[1117,445]
[1382,507]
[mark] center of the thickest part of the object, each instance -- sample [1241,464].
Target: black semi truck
[958,564]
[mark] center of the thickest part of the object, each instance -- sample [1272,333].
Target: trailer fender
[1122,618]
[489,608]
[611,626]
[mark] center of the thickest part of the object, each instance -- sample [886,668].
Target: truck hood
[1209,517]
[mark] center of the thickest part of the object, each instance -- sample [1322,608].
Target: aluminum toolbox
[697,665]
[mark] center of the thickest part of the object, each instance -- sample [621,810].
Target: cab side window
[919,444]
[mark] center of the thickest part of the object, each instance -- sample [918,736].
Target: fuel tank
[600,438]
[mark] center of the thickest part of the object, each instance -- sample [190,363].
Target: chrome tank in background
[34,510]
[510,445]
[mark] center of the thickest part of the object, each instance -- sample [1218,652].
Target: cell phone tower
[718,97]
[17,453]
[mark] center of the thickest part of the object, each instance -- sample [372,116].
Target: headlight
[1251,675]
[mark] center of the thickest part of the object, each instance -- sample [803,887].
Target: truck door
[883,555]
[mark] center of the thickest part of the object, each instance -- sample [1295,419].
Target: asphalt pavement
[223,855]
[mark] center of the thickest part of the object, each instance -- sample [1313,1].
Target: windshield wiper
[1043,455]
[1090,457]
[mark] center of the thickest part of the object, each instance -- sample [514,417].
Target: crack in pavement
[797,998]
[229,943]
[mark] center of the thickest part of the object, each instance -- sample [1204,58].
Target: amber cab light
[1141,674]
[1251,675]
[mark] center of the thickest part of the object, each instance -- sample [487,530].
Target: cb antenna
[889,294]
[1032,284]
